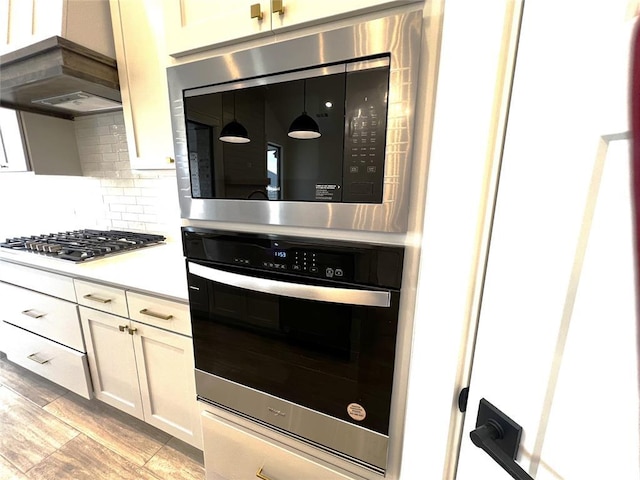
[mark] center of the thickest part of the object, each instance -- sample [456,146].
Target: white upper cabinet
[84,22]
[195,25]
[289,14]
[140,52]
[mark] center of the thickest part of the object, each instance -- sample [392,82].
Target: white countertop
[157,269]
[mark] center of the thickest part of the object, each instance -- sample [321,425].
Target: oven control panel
[305,262]
[321,259]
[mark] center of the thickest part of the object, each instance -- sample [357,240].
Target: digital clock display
[280,254]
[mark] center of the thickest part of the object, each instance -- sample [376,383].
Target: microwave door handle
[347,296]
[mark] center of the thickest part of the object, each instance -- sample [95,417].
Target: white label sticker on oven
[356,411]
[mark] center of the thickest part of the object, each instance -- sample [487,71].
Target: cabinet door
[24,23]
[193,25]
[140,52]
[85,22]
[111,360]
[300,12]
[167,382]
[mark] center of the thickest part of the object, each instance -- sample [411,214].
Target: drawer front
[39,280]
[108,299]
[47,316]
[51,360]
[160,313]
[231,451]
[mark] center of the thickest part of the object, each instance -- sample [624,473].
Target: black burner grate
[82,245]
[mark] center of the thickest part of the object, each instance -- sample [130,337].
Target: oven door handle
[348,296]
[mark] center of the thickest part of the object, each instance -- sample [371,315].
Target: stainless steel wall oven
[357,82]
[298,334]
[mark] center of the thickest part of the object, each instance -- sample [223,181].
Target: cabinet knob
[255,11]
[122,328]
[132,330]
[277,7]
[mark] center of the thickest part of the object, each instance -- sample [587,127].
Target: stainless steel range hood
[60,78]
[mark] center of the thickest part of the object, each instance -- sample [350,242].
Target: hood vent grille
[79,102]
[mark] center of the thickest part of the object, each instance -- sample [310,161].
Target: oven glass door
[325,348]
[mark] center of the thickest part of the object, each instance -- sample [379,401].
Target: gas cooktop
[82,245]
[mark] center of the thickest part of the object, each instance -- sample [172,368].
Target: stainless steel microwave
[310,132]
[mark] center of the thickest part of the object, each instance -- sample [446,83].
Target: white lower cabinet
[41,331]
[112,360]
[139,351]
[145,371]
[165,371]
[232,452]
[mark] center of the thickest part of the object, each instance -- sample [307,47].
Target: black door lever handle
[499,436]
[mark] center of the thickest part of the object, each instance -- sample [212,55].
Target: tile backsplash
[108,195]
[140,200]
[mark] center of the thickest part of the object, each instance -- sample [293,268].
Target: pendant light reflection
[304,127]
[234,131]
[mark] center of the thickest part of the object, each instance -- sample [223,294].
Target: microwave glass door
[345,164]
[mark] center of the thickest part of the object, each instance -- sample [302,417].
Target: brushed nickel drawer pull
[34,357]
[261,475]
[91,296]
[33,313]
[161,316]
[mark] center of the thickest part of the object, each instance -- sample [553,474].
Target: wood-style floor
[49,433]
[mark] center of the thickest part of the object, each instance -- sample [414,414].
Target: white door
[556,343]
